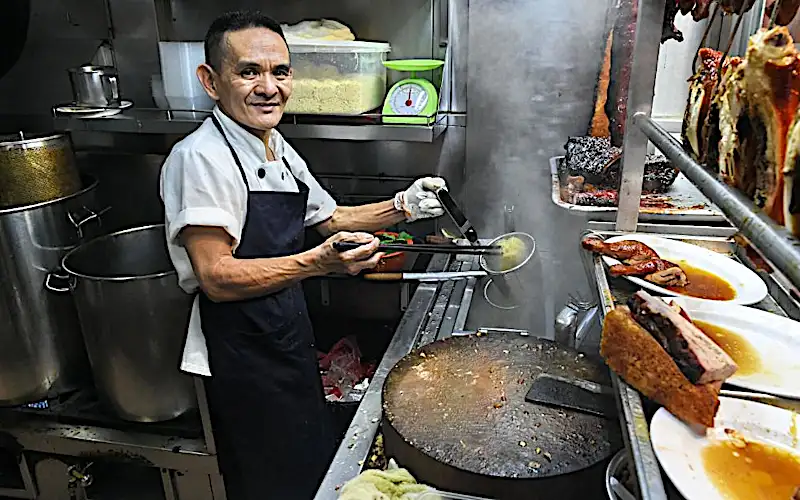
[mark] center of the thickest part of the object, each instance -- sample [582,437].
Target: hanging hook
[705,36]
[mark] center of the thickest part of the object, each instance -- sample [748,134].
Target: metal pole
[640,100]
[777,245]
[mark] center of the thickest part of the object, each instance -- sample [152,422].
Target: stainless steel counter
[435,312]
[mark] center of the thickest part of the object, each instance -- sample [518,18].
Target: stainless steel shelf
[777,244]
[156,121]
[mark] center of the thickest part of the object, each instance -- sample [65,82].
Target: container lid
[297,46]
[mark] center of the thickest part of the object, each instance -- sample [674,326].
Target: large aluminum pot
[41,349]
[134,318]
[36,169]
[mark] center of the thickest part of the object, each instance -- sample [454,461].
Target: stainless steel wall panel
[532,71]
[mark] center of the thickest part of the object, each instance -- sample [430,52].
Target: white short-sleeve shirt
[202,186]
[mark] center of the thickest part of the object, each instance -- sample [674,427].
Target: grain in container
[337,77]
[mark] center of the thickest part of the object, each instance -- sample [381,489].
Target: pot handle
[59,275]
[79,220]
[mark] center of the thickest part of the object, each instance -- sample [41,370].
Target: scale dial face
[408,99]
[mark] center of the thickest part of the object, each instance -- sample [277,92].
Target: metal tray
[683,194]
[633,417]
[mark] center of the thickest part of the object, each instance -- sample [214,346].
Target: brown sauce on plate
[736,346]
[704,285]
[753,471]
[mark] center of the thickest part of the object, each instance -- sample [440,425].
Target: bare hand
[350,261]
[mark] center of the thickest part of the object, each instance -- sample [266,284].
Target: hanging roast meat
[701,92]
[772,86]
[786,11]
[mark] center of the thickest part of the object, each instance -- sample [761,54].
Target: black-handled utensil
[451,208]
[341,246]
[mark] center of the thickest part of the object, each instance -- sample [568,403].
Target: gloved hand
[418,201]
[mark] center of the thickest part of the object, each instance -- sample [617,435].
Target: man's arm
[372,217]
[225,278]
[416,202]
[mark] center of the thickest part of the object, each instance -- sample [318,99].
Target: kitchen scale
[412,101]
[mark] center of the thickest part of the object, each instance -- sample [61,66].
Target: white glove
[419,201]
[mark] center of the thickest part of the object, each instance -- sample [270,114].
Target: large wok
[455,415]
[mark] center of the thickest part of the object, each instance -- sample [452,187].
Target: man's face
[254,80]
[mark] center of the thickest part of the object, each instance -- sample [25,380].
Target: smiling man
[237,198]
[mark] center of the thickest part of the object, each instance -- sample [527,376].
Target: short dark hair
[234,21]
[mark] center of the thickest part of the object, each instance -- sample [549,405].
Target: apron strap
[239,163]
[233,151]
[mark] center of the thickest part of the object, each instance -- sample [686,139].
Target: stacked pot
[119,290]
[43,210]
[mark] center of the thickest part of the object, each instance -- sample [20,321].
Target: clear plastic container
[341,78]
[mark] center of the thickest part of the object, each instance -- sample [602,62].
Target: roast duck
[637,259]
[742,121]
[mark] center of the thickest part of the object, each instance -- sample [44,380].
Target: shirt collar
[245,142]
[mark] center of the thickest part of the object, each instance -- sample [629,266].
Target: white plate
[73,109]
[776,340]
[679,449]
[748,286]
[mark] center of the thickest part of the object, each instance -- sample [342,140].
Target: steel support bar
[640,100]
[772,240]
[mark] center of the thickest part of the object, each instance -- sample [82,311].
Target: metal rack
[774,243]
[356,128]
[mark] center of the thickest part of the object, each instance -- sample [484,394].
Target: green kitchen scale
[412,101]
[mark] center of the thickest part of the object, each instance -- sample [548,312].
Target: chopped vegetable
[400,238]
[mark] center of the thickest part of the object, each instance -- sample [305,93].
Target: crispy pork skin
[633,354]
[697,356]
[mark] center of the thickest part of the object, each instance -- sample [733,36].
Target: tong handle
[462,223]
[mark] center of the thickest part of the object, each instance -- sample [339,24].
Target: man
[237,200]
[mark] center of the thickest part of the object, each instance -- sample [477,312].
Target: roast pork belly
[697,356]
[772,84]
[701,90]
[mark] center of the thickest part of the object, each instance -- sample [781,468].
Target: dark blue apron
[265,393]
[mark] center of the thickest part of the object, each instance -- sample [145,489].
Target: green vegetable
[391,238]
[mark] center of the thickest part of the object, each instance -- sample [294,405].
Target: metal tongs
[450,206]
[342,246]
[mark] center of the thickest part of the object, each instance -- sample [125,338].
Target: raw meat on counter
[751,134]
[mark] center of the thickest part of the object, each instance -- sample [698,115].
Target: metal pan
[455,415]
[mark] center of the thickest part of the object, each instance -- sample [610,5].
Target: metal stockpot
[41,349]
[36,169]
[134,318]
